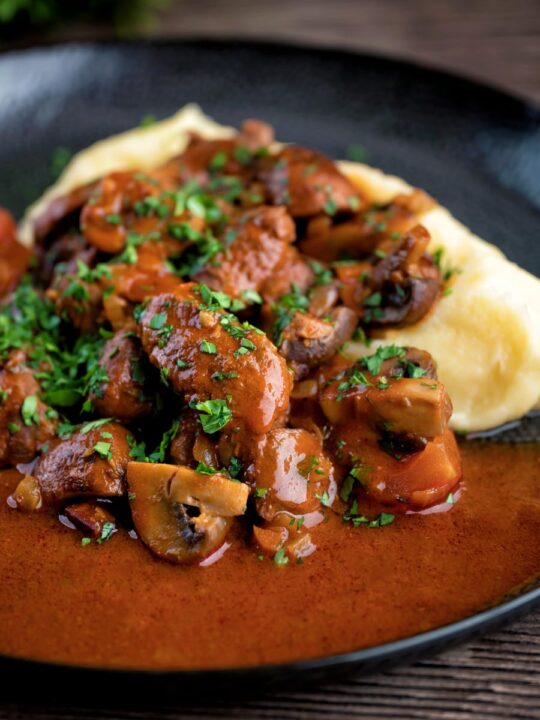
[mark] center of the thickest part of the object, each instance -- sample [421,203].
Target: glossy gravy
[116,605]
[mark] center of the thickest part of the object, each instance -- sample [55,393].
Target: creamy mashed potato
[485,335]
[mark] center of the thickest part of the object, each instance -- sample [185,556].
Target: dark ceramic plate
[474,148]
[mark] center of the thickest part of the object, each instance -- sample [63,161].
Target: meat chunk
[122,392]
[375,227]
[64,252]
[307,182]
[293,270]
[61,214]
[180,514]
[117,207]
[90,463]
[204,160]
[89,517]
[14,257]
[149,275]
[191,445]
[410,481]
[226,370]
[258,246]
[26,424]
[77,300]
[291,476]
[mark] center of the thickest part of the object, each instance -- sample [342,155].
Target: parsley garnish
[29,411]
[208,347]
[103,449]
[373,363]
[280,558]
[107,531]
[93,424]
[213,414]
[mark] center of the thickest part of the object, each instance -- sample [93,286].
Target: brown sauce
[115,605]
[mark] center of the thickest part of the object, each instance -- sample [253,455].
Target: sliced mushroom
[27,494]
[180,514]
[410,406]
[394,391]
[396,288]
[309,341]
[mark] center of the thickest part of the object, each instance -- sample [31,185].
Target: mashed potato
[485,335]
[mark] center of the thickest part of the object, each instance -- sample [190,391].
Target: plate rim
[302,47]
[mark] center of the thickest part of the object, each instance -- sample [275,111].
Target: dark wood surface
[494,678]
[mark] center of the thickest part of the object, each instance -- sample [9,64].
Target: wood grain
[494,678]
[496,41]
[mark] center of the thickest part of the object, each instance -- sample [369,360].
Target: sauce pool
[115,605]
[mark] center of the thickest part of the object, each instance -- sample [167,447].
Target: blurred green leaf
[125,15]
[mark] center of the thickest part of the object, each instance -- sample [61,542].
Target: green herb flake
[94,424]
[356,153]
[158,321]
[280,558]
[205,469]
[107,531]
[214,415]
[29,410]
[208,347]
[353,202]
[324,499]
[103,449]
[147,121]
[224,376]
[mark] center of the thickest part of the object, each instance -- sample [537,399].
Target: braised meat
[212,305]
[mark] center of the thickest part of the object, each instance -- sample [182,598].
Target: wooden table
[497,677]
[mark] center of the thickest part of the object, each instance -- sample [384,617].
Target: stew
[177,387]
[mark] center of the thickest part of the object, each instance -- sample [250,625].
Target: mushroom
[309,341]
[180,514]
[91,518]
[410,406]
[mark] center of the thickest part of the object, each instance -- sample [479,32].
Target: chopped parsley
[158,321]
[107,531]
[324,499]
[29,410]
[373,363]
[205,469]
[280,558]
[356,153]
[103,449]
[94,424]
[208,347]
[224,376]
[214,415]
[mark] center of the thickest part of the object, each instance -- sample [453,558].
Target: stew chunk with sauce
[179,357]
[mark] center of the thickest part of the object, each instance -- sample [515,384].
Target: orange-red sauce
[117,605]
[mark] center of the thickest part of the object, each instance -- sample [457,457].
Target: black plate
[474,148]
